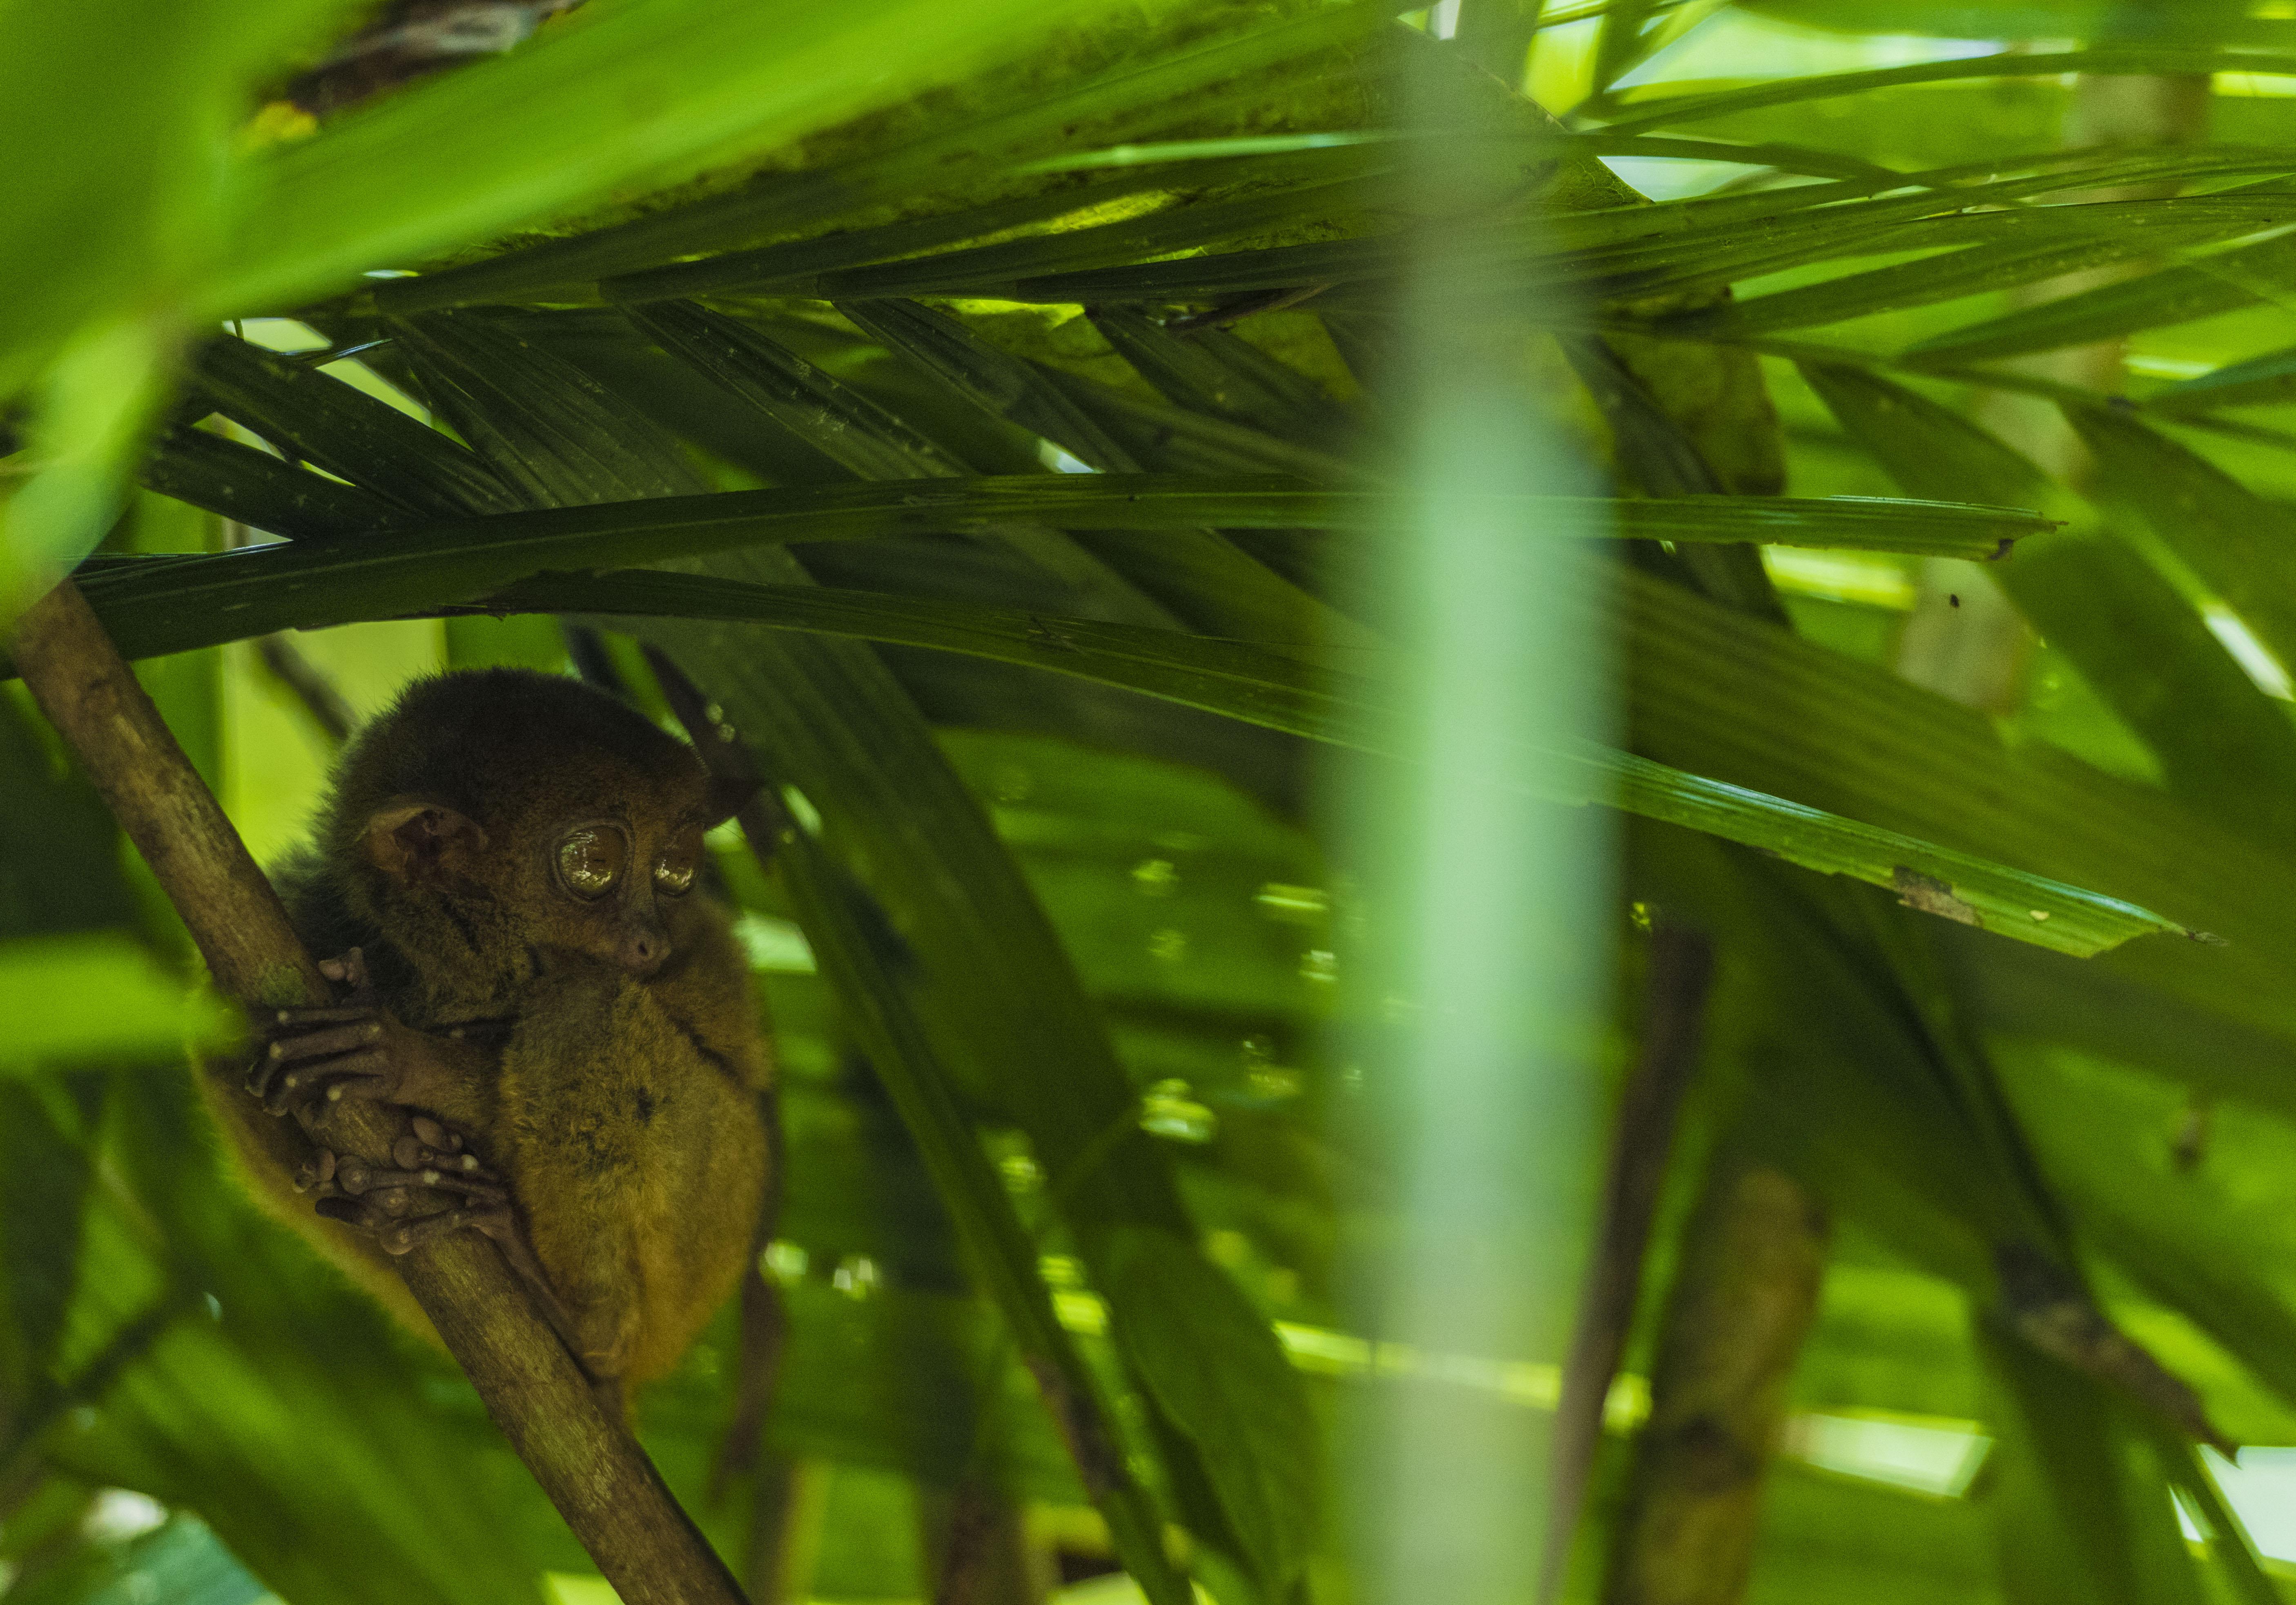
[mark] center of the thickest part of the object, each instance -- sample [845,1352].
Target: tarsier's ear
[727,797]
[411,841]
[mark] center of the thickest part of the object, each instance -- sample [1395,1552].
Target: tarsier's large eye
[592,859]
[674,876]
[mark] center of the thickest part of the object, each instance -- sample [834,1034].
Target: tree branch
[1742,1301]
[592,1468]
[1674,1010]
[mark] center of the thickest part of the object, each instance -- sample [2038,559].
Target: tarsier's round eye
[674,874]
[591,859]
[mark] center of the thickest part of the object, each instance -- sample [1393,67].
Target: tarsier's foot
[432,1186]
[437,1189]
[429,1154]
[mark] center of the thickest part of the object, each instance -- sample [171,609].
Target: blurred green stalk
[1491,933]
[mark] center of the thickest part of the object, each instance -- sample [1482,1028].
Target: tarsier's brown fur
[599,1058]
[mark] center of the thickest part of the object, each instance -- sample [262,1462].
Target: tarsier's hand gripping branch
[357,1048]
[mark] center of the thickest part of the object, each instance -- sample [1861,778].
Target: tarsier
[508,870]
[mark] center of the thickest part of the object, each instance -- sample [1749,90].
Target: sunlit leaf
[1271,688]
[2222,743]
[1236,1401]
[2171,295]
[1748,703]
[2236,540]
[2258,381]
[1669,111]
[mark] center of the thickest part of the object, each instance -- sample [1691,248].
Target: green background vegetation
[1079,962]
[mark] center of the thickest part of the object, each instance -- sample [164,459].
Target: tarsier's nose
[642,950]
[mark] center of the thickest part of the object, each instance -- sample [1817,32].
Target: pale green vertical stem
[1494,932]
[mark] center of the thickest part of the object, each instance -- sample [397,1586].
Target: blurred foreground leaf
[99,998]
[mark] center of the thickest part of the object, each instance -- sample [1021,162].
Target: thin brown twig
[764,1322]
[1674,1012]
[967,1560]
[764,1342]
[777,1507]
[314,690]
[984,1555]
[591,1467]
[297,674]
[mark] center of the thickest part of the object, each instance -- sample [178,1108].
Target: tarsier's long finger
[411,1234]
[278,1021]
[381,1215]
[265,1077]
[411,1153]
[273,1080]
[357,1177]
[276,1053]
[320,1044]
[331,1079]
